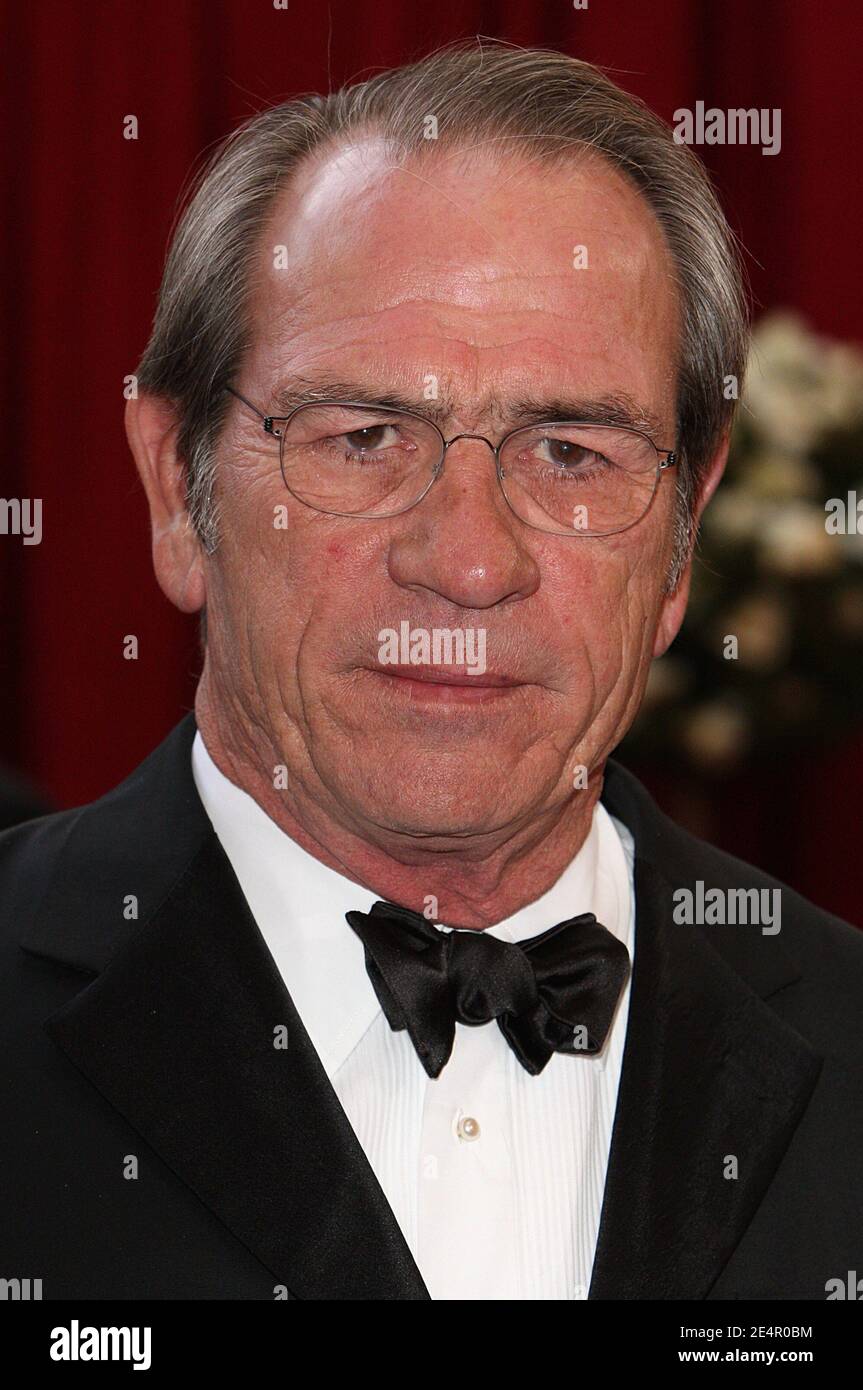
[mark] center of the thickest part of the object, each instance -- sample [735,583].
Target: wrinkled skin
[461,267]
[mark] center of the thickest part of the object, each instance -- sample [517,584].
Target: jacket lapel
[179,1033]
[710,1074]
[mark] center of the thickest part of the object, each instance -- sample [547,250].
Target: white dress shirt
[495,1176]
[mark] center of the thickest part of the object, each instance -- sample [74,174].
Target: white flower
[774,473]
[762,628]
[795,541]
[733,515]
[717,733]
[799,385]
[842,402]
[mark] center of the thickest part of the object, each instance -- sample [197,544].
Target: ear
[674,604]
[151,428]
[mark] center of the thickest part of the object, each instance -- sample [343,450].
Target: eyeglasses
[567,478]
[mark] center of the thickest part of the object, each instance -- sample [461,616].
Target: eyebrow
[616,408]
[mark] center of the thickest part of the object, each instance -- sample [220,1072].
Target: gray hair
[477,91]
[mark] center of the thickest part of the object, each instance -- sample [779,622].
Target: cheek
[259,580]
[607,606]
[304,589]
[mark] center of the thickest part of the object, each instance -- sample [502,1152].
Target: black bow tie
[554,993]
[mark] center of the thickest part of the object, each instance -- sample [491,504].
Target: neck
[463,884]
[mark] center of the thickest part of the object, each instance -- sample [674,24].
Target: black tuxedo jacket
[145,1046]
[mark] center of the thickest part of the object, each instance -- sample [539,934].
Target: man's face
[464,272]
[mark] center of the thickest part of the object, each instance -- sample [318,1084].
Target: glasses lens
[354,460]
[588,479]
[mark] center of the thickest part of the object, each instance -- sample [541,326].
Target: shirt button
[468,1128]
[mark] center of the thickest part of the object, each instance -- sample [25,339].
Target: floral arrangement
[778,567]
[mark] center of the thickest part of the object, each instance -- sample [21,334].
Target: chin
[439,815]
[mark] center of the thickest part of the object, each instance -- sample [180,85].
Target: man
[377,979]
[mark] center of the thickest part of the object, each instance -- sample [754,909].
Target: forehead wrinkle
[448,285]
[420,290]
[457,382]
[290,311]
[324,386]
[308,330]
[617,407]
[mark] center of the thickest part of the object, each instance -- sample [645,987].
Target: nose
[462,543]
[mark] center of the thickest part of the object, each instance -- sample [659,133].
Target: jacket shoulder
[826,951]
[64,878]
[29,854]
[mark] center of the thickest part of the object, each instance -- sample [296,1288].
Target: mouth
[446,685]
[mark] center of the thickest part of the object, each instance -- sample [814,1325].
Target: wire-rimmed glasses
[568,478]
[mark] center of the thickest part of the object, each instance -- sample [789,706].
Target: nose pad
[455,439]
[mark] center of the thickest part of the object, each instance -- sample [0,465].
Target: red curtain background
[87,221]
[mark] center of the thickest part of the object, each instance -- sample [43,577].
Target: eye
[567,455]
[369,437]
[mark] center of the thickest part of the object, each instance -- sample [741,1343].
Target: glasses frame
[271,421]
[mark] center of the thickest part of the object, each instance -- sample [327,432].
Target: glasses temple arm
[260,414]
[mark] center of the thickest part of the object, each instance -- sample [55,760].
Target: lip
[447,686]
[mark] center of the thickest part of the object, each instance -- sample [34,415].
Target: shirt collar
[299,905]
